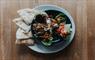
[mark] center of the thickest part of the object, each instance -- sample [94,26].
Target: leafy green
[47,43]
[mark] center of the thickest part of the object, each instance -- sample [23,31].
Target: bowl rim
[73,28]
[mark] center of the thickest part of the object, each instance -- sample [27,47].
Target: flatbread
[32,11]
[26,17]
[20,23]
[25,42]
[29,14]
[21,35]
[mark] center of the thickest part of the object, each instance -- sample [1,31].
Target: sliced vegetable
[68,28]
[47,43]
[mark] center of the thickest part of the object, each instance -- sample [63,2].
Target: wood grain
[91,30]
[81,48]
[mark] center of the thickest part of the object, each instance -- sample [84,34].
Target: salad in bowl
[52,28]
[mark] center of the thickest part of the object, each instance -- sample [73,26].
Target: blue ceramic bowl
[39,47]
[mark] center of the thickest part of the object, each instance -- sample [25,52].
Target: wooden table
[82,47]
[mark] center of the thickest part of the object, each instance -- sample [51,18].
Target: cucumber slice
[68,28]
[47,43]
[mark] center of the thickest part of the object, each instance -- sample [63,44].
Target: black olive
[40,19]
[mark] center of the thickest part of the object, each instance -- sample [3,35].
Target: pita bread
[21,35]
[32,11]
[29,14]
[26,17]
[20,23]
[25,42]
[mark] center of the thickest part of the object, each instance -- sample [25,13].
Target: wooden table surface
[82,47]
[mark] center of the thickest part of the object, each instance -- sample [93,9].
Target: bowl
[39,47]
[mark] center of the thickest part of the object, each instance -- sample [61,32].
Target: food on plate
[21,24]
[25,42]
[21,35]
[29,14]
[61,18]
[48,27]
[51,28]
[24,38]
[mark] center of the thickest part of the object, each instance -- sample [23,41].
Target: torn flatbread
[25,42]
[32,11]
[29,14]
[21,35]
[26,17]
[20,23]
